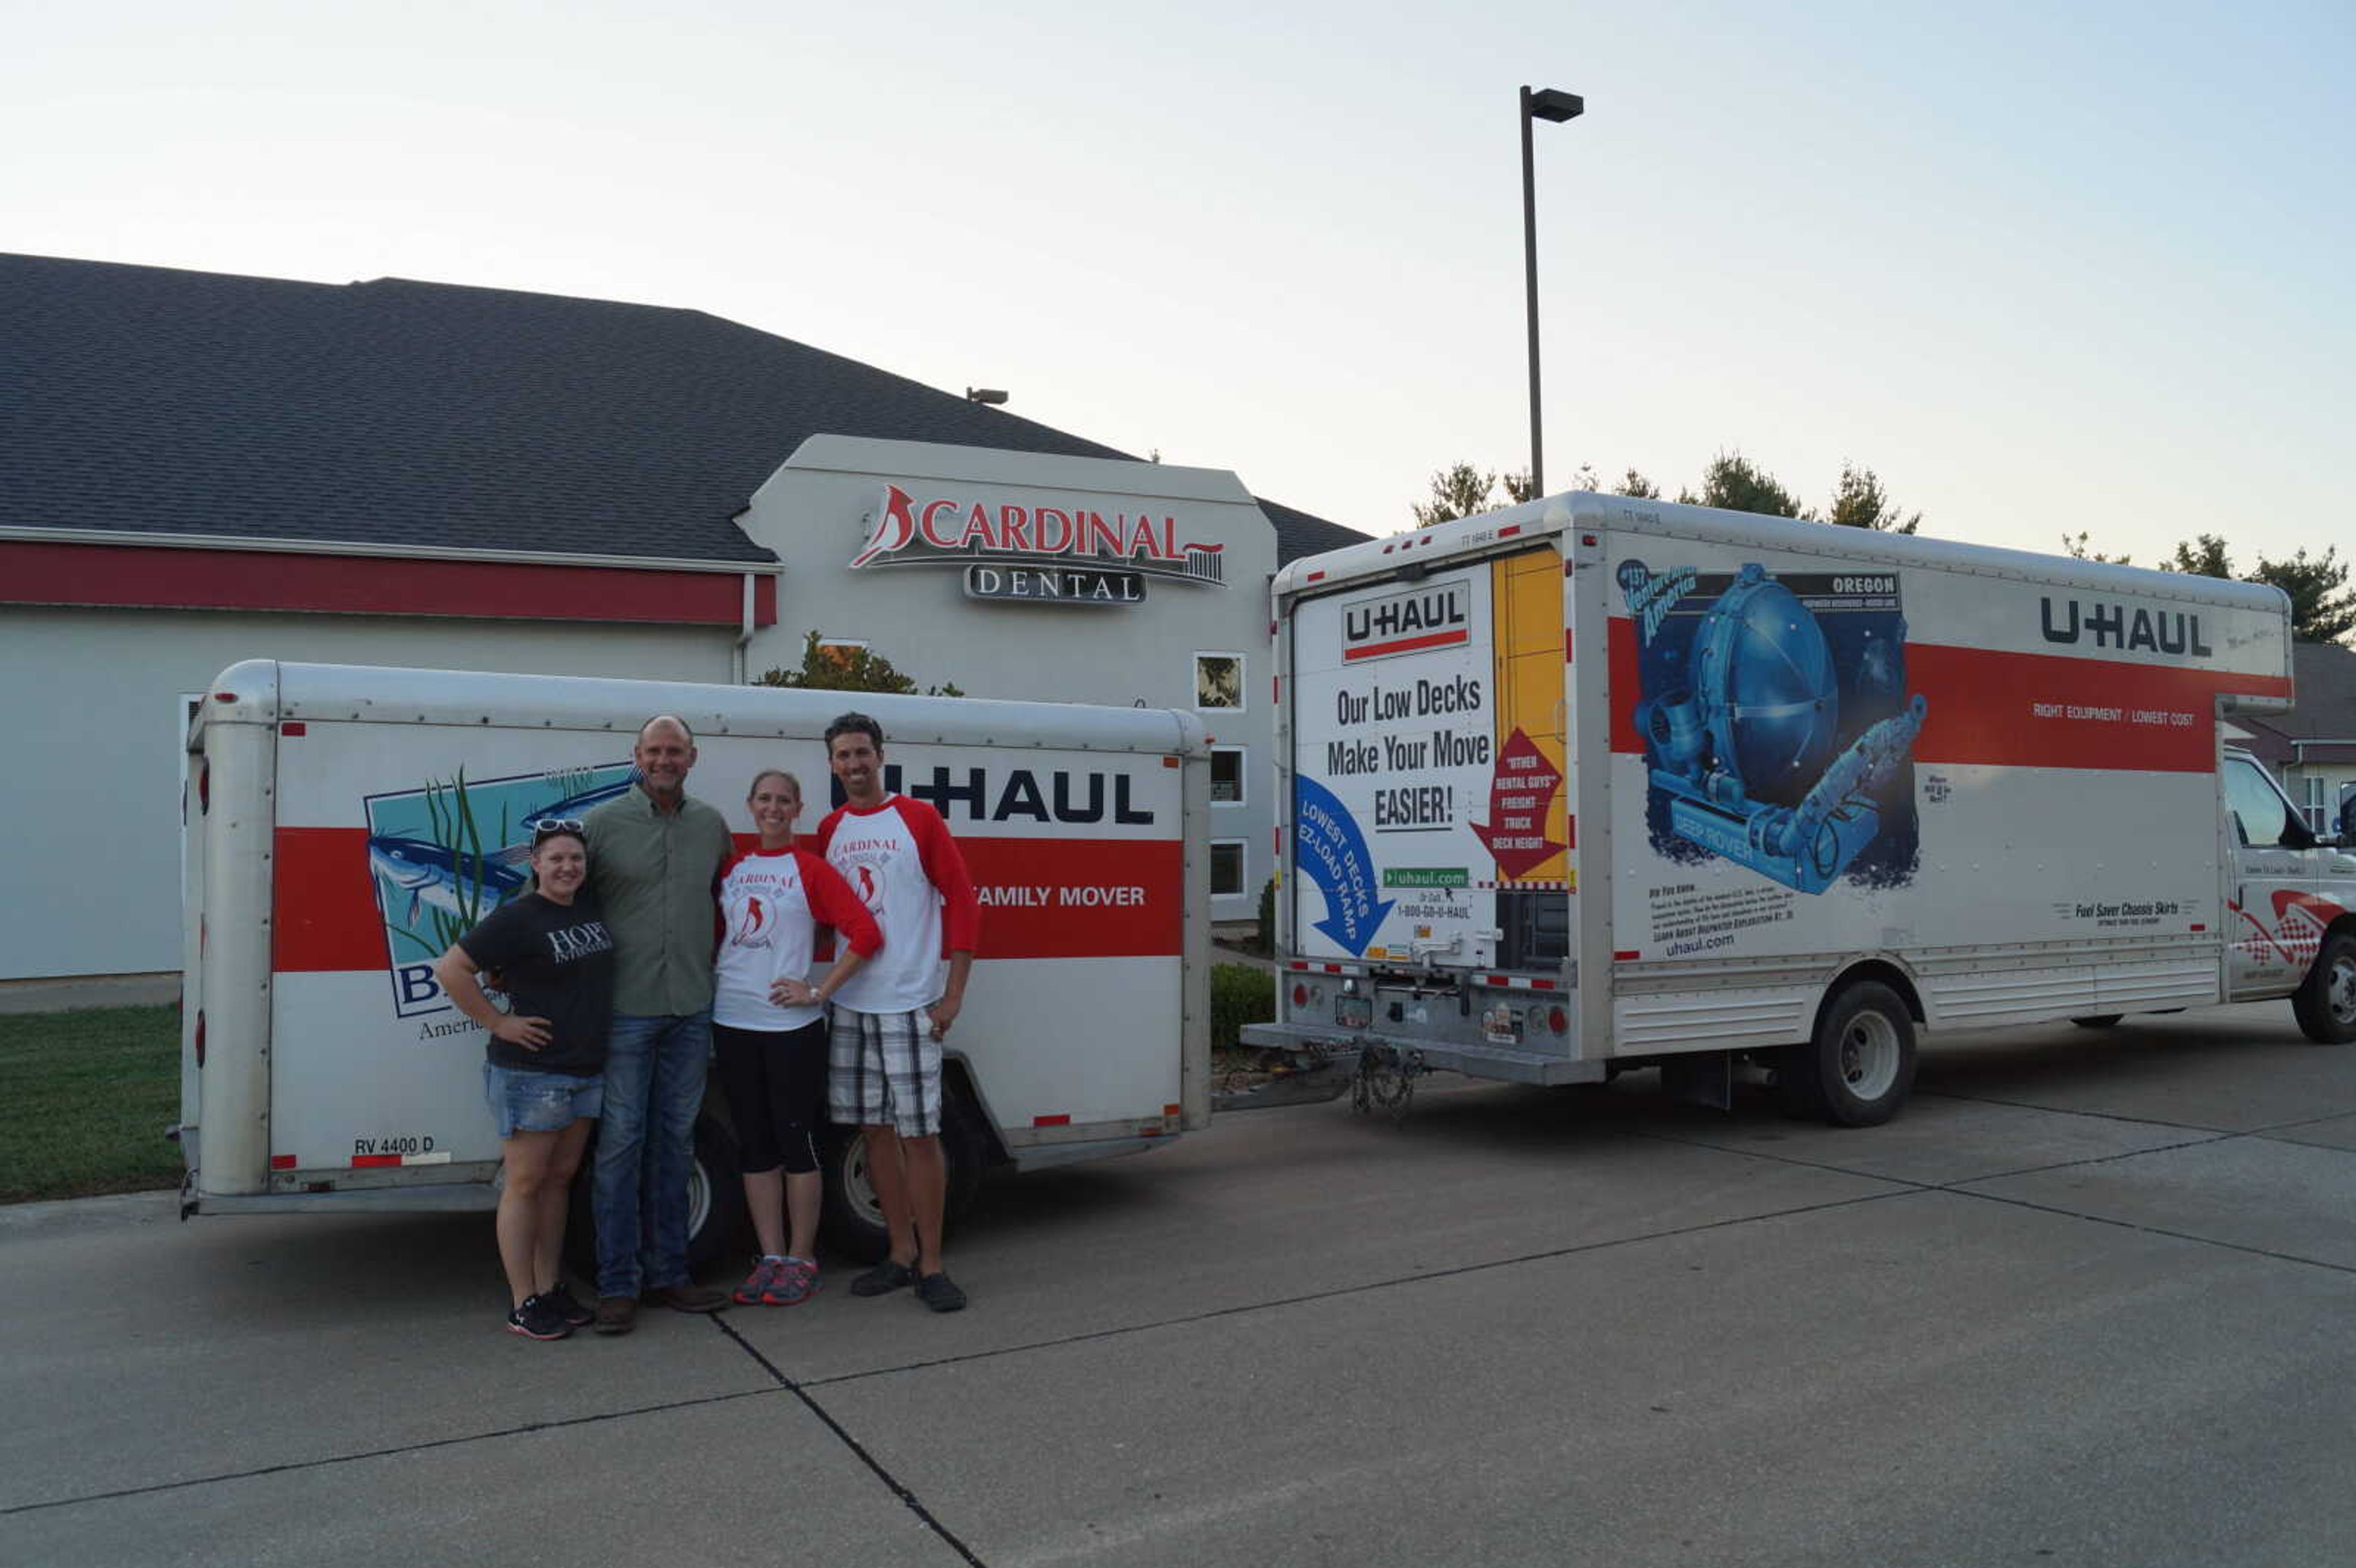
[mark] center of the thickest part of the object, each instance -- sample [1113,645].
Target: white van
[1594,783]
[345,823]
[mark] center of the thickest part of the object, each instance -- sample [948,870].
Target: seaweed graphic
[452,814]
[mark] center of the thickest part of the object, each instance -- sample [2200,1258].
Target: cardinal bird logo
[868,894]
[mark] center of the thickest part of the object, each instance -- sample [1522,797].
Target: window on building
[1227,775]
[1219,680]
[2319,811]
[1227,868]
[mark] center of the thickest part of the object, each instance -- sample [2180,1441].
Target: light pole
[1550,104]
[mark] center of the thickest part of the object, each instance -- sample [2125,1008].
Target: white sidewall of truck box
[372,1060]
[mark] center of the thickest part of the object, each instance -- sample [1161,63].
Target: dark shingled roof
[404,413]
[2324,675]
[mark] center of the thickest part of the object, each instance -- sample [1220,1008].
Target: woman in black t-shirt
[546,1058]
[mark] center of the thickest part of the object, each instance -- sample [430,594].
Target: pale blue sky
[2045,267]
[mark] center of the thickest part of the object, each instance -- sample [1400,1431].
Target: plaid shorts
[885,1068]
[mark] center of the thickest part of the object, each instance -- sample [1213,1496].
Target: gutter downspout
[743,633]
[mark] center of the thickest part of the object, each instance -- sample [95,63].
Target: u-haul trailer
[345,823]
[1594,783]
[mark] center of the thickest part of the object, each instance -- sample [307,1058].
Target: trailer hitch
[1385,1081]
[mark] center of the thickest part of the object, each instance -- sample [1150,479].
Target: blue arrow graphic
[1333,854]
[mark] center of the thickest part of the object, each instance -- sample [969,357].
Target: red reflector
[1174,1110]
[1555,1020]
[360,1161]
[1300,995]
[1296,964]
[1149,1132]
[282,1162]
[1332,968]
[1169,761]
[1626,953]
[294,727]
[1542,984]
[2203,927]
[1509,530]
[1316,577]
[1064,1121]
[204,789]
[1587,539]
[224,697]
[200,1040]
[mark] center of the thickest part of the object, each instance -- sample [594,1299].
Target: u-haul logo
[1438,616]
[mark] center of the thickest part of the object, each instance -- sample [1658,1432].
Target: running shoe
[538,1320]
[794,1282]
[757,1284]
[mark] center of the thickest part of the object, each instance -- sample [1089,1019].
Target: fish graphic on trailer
[432,873]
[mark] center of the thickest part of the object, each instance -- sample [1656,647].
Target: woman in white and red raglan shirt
[769,1030]
[884,1076]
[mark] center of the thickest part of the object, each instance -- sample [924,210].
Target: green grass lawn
[84,1099]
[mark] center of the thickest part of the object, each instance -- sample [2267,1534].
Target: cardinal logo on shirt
[869,893]
[757,920]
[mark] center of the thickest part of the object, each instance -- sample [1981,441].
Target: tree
[1737,485]
[1635,485]
[1457,491]
[1860,502]
[2077,546]
[2208,559]
[1518,487]
[2322,609]
[837,666]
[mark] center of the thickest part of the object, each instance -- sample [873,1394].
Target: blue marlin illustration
[572,807]
[432,874]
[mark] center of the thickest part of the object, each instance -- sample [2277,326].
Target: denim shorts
[526,1102]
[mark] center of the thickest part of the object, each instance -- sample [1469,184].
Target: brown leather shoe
[616,1314]
[689,1297]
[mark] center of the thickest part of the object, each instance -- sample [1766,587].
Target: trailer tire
[716,1216]
[851,1219]
[1858,1068]
[2099,1020]
[2324,1002]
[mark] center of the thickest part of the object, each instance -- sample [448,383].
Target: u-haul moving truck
[345,823]
[1596,782]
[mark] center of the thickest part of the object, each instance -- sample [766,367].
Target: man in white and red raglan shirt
[885,1067]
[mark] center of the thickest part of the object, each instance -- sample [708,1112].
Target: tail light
[200,1040]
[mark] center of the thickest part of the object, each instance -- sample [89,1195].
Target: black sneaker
[538,1319]
[940,1292]
[884,1278]
[568,1306]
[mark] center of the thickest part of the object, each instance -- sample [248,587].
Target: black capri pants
[776,1083]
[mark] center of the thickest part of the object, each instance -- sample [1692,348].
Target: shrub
[1267,943]
[1240,994]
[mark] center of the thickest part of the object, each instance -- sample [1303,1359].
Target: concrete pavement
[2088,1300]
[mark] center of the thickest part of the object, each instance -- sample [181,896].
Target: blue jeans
[654,1087]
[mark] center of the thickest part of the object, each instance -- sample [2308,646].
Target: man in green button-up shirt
[654,855]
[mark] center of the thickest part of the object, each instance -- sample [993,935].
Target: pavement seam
[426,1446]
[858,1450]
[1900,1190]
[1964,1189]
[2057,1111]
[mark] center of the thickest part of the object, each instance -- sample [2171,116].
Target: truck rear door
[1428,723]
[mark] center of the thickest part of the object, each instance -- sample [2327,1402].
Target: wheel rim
[858,1188]
[1868,1056]
[699,1197]
[2340,997]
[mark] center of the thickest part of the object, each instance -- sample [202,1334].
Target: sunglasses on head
[552,826]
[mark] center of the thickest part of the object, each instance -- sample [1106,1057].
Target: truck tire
[852,1222]
[2324,1002]
[2099,1020]
[716,1217]
[1857,1069]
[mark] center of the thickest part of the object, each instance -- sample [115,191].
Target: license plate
[1354,1012]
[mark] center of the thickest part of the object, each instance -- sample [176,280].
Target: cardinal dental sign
[1037,554]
